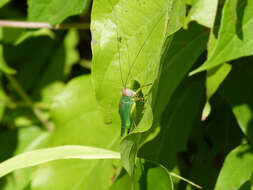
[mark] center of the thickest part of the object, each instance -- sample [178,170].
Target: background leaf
[238,163]
[55,11]
[77,118]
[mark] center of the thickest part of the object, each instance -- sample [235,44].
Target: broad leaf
[4,2]
[78,121]
[28,138]
[235,37]
[204,12]
[123,38]
[124,34]
[186,102]
[55,11]
[237,169]
[177,59]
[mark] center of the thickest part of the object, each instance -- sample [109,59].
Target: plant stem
[184,179]
[36,25]
[37,112]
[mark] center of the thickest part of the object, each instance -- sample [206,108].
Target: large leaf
[186,103]
[237,169]
[78,121]
[177,59]
[41,156]
[235,37]
[204,12]
[3,2]
[127,39]
[126,44]
[55,11]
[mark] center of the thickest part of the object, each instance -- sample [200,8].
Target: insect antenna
[120,67]
[140,50]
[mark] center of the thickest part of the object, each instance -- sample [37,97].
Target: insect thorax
[128,92]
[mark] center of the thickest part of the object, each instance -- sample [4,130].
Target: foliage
[60,90]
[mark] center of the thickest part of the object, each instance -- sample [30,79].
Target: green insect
[128,99]
[127,107]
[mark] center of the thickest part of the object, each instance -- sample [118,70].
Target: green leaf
[237,169]
[204,12]
[186,101]
[176,16]
[34,33]
[41,156]
[177,59]
[14,142]
[3,65]
[214,79]
[55,11]
[4,2]
[139,25]
[239,96]
[60,64]
[148,175]
[127,30]
[234,39]
[78,122]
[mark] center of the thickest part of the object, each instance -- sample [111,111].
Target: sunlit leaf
[55,11]
[235,38]
[237,169]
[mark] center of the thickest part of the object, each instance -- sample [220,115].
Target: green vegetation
[63,64]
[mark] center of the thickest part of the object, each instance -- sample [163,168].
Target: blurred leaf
[148,176]
[3,2]
[15,142]
[3,66]
[232,35]
[10,35]
[72,55]
[236,170]
[78,122]
[203,12]
[34,33]
[41,156]
[2,99]
[240,96]
[65,56]
[55,11]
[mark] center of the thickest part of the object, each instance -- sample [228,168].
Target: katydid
[127,106]
[128,99]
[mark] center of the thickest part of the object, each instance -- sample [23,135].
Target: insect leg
[139,89]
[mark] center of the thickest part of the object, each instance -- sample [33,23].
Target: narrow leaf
[41,156]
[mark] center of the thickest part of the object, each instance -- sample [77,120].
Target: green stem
[37,112]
